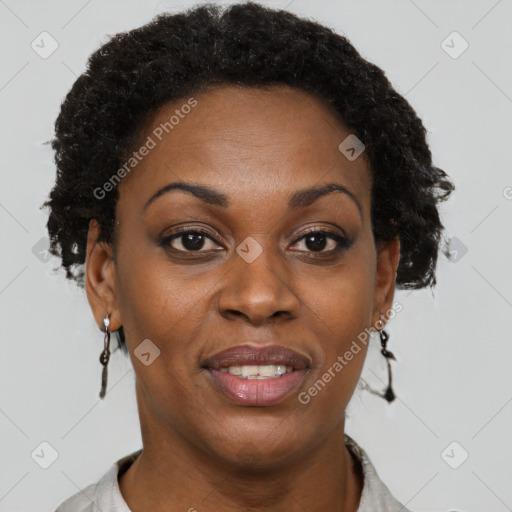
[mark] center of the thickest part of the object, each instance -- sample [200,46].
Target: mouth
[265,371]
[257,376]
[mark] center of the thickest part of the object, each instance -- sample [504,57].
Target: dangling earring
[105,356]
[389,395]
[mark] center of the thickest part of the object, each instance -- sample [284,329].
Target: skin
[201,450]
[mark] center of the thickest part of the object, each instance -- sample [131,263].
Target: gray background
[453,377]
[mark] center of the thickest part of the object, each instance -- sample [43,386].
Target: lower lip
[257,391]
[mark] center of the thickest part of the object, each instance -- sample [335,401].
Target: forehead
[264,142]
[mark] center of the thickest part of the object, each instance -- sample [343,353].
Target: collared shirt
[106,496]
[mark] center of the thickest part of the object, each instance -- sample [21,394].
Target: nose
[259,291]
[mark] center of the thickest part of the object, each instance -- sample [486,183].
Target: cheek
[169,310]
[341,313]
[156,302]
[342,316]
[343,301]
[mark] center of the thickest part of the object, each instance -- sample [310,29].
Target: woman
[239,192]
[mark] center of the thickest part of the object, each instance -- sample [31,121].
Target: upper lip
[251,355]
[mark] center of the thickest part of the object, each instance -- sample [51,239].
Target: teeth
[264,371]
[269,370]
[235,370]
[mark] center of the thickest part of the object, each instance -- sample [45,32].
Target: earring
[105,356]
[389,395]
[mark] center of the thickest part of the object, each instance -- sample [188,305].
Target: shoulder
[103,495]
[82,501]
[375,497]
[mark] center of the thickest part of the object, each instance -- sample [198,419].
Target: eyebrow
[299,199]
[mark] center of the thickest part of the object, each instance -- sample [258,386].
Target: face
[243,228]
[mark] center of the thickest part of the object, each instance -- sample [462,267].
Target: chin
[260,447]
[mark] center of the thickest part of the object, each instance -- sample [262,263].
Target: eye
[197,240]
[318,240]
[190,240]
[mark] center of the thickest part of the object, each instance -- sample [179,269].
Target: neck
[172,474]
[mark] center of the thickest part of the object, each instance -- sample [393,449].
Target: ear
[101,279]
[388,257]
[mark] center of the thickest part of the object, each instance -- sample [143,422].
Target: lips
[244,373]
[249,355]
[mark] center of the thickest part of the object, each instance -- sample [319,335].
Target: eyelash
[343,242]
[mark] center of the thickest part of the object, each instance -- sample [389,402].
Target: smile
[257,376]
[267,371]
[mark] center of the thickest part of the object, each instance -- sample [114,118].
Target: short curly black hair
[246,44]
